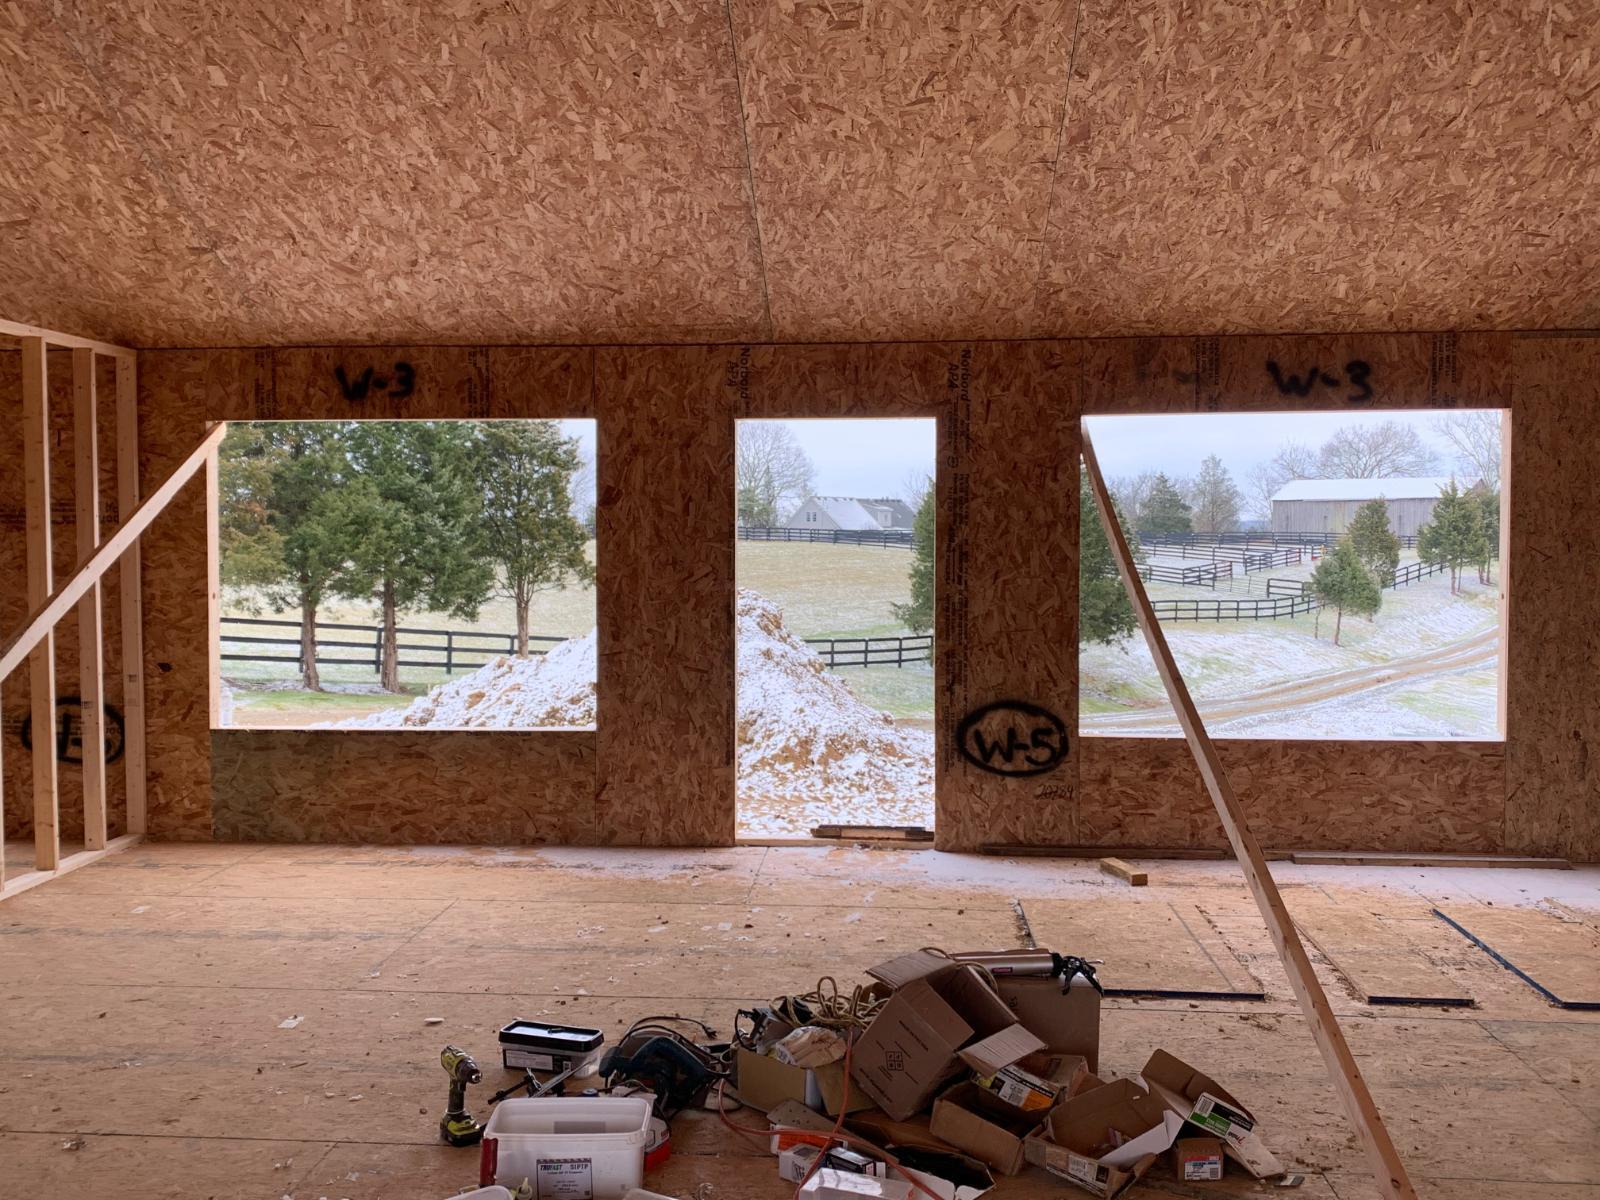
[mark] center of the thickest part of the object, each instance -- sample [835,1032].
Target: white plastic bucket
[571,1147]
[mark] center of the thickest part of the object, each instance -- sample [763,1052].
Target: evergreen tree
[918,615]
[1216,498]
[1165,511]
[282,525]
[1105,614]
[1374,542]
[410,514]
[1344,583]
[1454,537]
[526,524]
[1488,503]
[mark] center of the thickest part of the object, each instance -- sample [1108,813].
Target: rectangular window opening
[835,565]
[1317,575]
[406,575]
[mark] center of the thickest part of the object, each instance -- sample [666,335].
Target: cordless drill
[458,1127]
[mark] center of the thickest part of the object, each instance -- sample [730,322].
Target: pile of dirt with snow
[809,749]
[555,690]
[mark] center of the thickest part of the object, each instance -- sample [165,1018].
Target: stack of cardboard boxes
[962,1075]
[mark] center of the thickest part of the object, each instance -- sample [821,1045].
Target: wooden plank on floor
[1341,858]
[1154,948]
[1376,956]
[1558,959]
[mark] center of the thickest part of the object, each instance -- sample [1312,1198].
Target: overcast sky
[867,457]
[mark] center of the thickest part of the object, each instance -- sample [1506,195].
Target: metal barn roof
[1391,488]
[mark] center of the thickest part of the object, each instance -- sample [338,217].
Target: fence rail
[1269,609]
[892,538]
[874,652]
[459,649]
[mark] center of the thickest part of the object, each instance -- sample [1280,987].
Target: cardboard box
[1203,1102]
[986,1127]
[795,1163]
[948,1175]
[1197,1159]
[841,1185]
[764,1083]
[1066,1022]
[879,1128]
[801,1126]
[940,1015]
[1035,1083]
[1105,1138]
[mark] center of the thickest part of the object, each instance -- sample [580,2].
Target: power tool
[458,1127]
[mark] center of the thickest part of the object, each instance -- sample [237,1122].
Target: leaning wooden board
[1375,954]
[1559,959]
[1160,948]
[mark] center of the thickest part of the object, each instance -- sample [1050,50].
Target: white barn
[1329,505]
[851,512]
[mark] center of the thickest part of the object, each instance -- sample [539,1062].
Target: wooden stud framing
[36,630]
[42,661]
[91,648]
[133,755]
[1389,1172]
[213,594]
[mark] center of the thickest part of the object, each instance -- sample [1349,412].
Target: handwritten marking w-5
[355,390]
[1012,737]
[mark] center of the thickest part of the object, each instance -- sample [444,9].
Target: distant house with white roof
[1329,505]
[851,512]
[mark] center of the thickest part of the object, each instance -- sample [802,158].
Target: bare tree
[1215,498]
[1132,492]
[583,489]
[1293,460]
[1376,451]
[914,488]
[1475,437]
[773,472]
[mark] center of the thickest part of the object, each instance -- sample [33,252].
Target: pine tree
[281,522]
[1375,544]
[1344,583]
[918,615]
[524,470]
[411,515]
[1165,511]
[1216,498]
[1455,535]
[1105,614]
[1488,503]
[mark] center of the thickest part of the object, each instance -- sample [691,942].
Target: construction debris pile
[933,1077]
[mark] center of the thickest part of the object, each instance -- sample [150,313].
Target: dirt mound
[804,736]
[555,690]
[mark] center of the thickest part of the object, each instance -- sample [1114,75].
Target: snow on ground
[556,690]
[1454,704]
[809,750]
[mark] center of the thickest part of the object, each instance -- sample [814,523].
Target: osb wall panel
[1007,536]
[1233,167]
[174,391]
[1421,796]
[1553,754]
[64,740]
[664,525]
[477,787]
[447,785]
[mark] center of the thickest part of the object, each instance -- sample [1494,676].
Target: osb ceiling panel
[176,172]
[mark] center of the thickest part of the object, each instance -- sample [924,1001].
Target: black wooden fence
[449,650]
[1269,609]
[893,538]
[874,652]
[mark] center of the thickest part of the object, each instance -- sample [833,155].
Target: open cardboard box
[948,1175]
[986,1127]
[764,1083]
[1105,1138]
[940,1015]
[1202,1101]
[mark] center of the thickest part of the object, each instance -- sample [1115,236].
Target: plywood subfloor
[143,1054]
